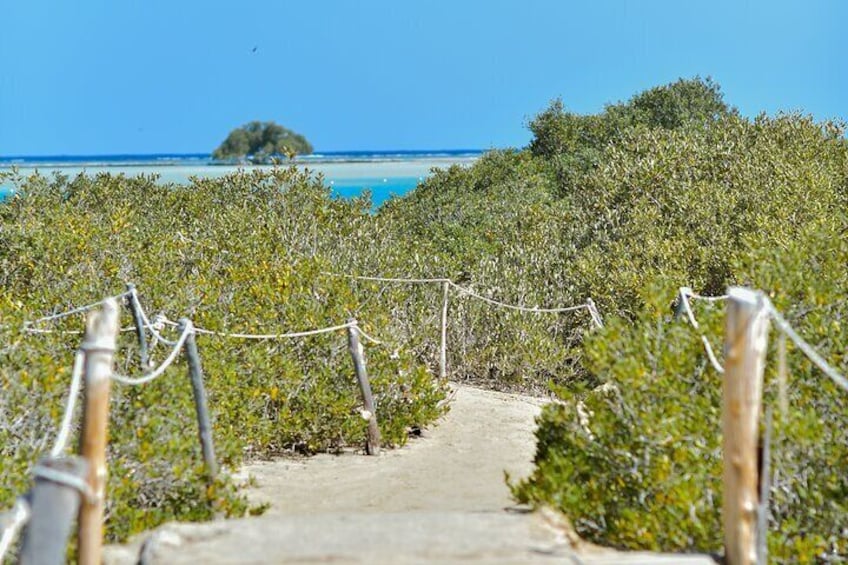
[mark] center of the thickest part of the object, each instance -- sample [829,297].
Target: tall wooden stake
[143,353]
[443,350]
[204,427]
[54,502]
[99,346]
[372,444]
[746,340]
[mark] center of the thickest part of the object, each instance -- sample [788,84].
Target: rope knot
[158,323]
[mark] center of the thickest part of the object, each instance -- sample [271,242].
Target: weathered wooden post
[746,340]
[54,502]
[138,319]
[195,373]
[680,309]
[594,314]
[443,349]
[372,443]
[99,346]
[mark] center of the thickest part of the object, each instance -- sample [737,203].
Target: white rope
[62,478]
[154,327]
[386,279]
[685,294]
[368,337]
[71,332]
[306,333]
[73,393]
[188,330]
[11,523]
[514,307]
[711,355]
[158,325]
[76,310]
[782,378]
[593,311]
[805,347]
[697,296]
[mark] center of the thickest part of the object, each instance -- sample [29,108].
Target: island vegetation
[670,188]
[261,143]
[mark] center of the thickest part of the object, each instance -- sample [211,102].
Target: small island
[261,143]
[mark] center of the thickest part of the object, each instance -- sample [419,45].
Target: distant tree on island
[260,142]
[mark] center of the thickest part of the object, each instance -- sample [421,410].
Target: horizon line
[209,154]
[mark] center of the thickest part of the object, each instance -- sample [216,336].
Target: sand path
[440,499]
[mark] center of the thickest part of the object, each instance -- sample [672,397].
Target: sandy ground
[458,465]
[441,499]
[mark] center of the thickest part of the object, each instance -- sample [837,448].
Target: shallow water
[347,178]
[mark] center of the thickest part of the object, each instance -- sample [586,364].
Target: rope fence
[748,316]
[154,327]
[79,310]
[68,417]
[12,522]
[388,279]
[782,324]
[684,296]
[153,375]
[589,305]
[289,335]
[499,304]
[805,347]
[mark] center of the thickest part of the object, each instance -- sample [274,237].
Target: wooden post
[54,503]
[680,309]
[204,428]
[443,350]
[143,352]
[99,347]
[594,314]
[746,340]
[372,444]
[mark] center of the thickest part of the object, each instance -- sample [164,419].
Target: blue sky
[121,76]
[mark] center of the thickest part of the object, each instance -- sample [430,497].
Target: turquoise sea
[348,174]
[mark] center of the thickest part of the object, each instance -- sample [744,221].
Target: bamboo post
[746,340]
[195,373]
[143,352]
[372,443]
[99,347]
[443,350]
[54,503]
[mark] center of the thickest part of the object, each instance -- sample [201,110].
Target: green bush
[759,203]
[672,188]
[244,253]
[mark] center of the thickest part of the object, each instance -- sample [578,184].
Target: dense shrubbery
[243,253]
[760,203]
[671,188]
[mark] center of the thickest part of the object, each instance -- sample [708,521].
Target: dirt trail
[458,465]
[441,499]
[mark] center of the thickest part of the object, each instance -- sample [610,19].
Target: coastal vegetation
[670,188]
[261,143]
[245,253]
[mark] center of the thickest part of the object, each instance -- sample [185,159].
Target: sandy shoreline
[336,171]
